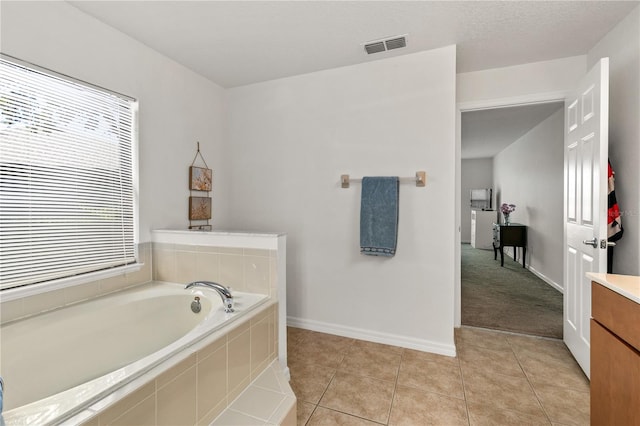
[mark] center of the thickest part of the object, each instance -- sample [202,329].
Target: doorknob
[593,243]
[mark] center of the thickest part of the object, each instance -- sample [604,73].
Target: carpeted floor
[510,298]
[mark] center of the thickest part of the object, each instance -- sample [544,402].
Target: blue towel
[379,216]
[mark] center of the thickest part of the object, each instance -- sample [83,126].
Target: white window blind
[66,177]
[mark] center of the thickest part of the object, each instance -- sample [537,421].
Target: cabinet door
[615,379]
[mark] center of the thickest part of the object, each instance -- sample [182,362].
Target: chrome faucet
[225,294]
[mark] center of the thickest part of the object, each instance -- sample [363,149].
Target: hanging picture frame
[200,179]
[199,208]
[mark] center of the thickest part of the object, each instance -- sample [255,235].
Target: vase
[507,218]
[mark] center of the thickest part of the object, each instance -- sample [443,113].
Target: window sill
[35,289]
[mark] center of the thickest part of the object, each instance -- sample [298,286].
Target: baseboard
[538,274]
[546,279]
[373,336]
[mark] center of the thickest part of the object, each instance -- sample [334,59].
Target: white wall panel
[529,174]
[289,142]
[622,47]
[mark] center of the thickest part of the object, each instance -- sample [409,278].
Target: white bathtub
[58,363]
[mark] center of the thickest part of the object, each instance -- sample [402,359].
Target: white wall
[177,106]
[475,173]
[622,46]
[529,174]
[289,142]
[546,80]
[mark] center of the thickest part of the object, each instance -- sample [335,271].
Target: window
[66,176]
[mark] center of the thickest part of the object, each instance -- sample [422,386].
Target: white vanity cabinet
[482,228]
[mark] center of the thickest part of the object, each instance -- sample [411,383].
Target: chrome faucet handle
[228,304]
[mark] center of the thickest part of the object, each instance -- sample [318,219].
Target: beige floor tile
[338,343]
[381,365]
[429,376]
[470,336]
[317,353]
[538,345]
[501,392]
[562,371]
[377,347]
[308,391]
[412,407]
[304,411]
[502,361]
[547,353]
[413,355]
[325,417]
[565,406]
[359,396]
[296,335]
[300,369]
[484,415]
[309,381]
[506,379]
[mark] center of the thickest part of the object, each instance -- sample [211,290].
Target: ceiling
[487,132]
[235,43]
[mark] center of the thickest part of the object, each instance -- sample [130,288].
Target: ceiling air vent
[374,47]
[377,46]
[396,43]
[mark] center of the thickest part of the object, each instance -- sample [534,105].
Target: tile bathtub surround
[201,387]
[39,303]
[497,378]
[267,400]
[243,269]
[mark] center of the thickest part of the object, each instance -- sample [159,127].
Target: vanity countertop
[625,285]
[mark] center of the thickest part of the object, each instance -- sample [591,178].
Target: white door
[585,194]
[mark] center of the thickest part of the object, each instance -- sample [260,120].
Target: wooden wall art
[200,181]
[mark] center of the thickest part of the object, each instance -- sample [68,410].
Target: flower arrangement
[506,210]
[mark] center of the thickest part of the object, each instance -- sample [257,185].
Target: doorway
[516,150]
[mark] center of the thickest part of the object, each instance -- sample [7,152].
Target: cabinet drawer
[617,313]
[513,236]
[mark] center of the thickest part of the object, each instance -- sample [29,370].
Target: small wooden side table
[511,235]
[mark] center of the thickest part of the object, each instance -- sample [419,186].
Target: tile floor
[496,379]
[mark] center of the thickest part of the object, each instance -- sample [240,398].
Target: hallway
[509,298]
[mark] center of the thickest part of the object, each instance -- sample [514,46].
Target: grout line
[544,410]
[315,407]
[325,390]
[351,415]
[464,391]
[395,387]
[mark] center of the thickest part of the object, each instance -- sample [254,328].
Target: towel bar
[420,179]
